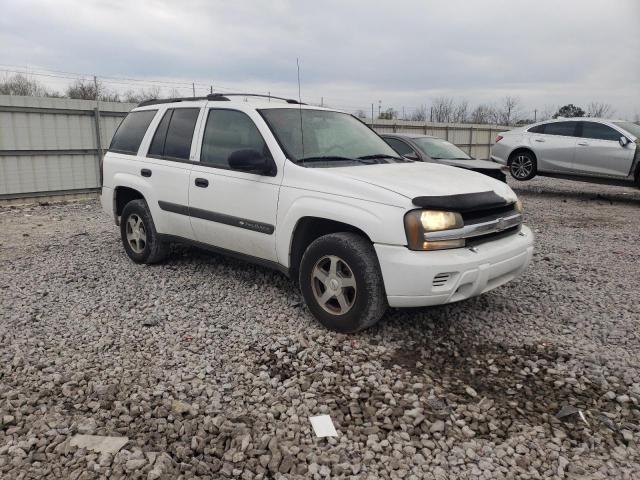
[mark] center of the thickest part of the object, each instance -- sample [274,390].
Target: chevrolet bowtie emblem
[501,224]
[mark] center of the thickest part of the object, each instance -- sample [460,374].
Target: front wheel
[522,166]
[341,282]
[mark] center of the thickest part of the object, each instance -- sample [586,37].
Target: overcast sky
[352,53]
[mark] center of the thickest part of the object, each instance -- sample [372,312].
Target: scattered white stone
[99,443]
[323,426]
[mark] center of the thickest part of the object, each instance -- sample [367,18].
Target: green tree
[569,111]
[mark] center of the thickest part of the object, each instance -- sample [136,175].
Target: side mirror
[411,156]
[250,161]
[624,141]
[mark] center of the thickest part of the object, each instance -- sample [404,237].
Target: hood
[425,179]
[471,164]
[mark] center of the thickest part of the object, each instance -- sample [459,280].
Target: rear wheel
[523,165]
[139,235]
[341,282]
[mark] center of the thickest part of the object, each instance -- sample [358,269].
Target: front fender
[381,223]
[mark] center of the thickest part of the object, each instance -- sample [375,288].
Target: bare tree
[460,112]
[90,90]
[508,112]
[601,110]
[547,112]
[142,95]
[419,114]
[442,109]
[483,113]
[360,113]
[19,84]
[388,114]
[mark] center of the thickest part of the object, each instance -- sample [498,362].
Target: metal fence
[52,146]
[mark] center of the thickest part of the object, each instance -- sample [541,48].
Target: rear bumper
[416,279]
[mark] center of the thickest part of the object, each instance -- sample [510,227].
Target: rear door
[231,209]
[555,147]
[599,152]
[168,162]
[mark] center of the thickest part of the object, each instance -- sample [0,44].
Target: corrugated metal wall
[49,146]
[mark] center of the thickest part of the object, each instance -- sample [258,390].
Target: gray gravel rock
[210,369]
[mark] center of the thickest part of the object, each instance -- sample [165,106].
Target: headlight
[419,222]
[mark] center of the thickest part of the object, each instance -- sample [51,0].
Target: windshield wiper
[382,155]
[328,158]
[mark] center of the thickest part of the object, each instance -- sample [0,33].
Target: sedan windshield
[630,127]
[327,137]
[439,149]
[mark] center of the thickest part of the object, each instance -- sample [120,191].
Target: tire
[139,235]
[355,260]
[523,165]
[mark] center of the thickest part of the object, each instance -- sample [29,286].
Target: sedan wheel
[523,166]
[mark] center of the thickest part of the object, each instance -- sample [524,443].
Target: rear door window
[538,128]
[599,131]
[173,136]
[130,133]
[567,129]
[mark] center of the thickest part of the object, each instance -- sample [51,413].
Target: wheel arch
[121,196]
[521,149]
[310,228]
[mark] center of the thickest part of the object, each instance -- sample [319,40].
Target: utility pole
[98,134]
[535,115]
[211,89]
[193,86]
[403,115]
[431,115]
[372,115]
[379,107]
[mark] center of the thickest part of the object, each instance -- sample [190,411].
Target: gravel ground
[211,367]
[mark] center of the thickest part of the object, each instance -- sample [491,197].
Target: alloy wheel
[333,285]
[136,234]
[521,166]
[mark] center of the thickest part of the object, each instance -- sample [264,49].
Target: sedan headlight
[419,222]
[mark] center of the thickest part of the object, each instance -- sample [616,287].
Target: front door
[600,153]
[231,209]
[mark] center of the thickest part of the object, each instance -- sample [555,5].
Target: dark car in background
[426,148]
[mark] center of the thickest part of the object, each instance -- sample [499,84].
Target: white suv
[588,149]
[316,194]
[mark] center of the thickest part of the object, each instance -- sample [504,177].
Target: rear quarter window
[130,133]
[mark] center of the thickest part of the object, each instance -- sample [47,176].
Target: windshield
[630,127]
[437,149]
[329,136]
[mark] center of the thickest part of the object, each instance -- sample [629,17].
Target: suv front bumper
[417,279]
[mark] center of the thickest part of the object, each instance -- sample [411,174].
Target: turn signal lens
[419,222]
[519,207]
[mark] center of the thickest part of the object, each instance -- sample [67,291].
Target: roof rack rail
[158,101]
[223,97]
[217,97]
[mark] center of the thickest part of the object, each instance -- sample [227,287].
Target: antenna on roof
[300,109]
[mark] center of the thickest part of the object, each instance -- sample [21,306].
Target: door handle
[202,182]
[145,172]
[539,139]
[583,144]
